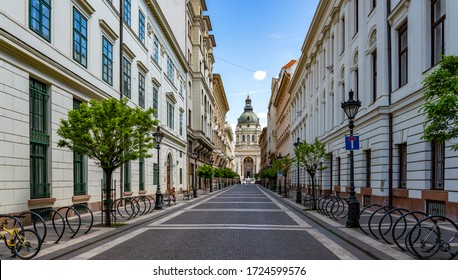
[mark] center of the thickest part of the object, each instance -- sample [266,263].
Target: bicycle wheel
[27,244]
[425,240]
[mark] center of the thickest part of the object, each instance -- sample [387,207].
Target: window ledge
[39,201]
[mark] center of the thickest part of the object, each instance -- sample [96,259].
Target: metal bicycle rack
[422,235]
[131,207]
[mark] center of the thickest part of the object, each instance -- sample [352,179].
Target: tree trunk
[108,174]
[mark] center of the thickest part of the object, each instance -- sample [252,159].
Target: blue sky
[254,40]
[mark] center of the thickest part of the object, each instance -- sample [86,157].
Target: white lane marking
[336,249]
[293,216]
[63,244]
[226,225]
[96,251]
[234,210]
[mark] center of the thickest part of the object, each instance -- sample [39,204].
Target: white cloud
[262,115]
[260,75]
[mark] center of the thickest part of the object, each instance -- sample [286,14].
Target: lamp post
[158,135]
[194,188]
[351,108]
[298,189]
[211,175]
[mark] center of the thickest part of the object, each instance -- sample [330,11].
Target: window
[155,101]
[356,16]
[368,168]
[79,38]
[170,114]
[437,30]
[181,88]
[126,87]
[155,174]
[343,35]
[79,184]
[141,27]
[373,5]
[402,55]
[437,162]
[39,140]
[141,179]
[374,76]
[243,138]
[181,123]
[40,18]
[339,172]
[141,90]
[330,170]
[127,12]
[402,148]
[127,187]
[189,118]
[181,175]
[252,138]
[169,73]
[156,49]
[107,61]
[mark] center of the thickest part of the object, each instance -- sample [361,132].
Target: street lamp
[158,135]
[298,189]
[211,175]
[194,188]
[351,108]
[279,180]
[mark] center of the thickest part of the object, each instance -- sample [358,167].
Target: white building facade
[56,54]
[381,51]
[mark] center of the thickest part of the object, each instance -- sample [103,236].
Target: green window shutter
[127,187]
[79,166]
[142,174]
[39,141]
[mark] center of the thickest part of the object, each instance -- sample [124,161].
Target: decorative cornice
[126,50]
[86,6]
[108,31]
[142,67]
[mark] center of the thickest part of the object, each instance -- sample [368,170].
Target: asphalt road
[244,222]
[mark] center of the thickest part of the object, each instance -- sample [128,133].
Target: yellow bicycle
[24,243]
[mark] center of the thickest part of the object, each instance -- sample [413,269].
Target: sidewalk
[53,243]
[372,247]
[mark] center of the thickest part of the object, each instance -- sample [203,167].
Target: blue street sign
[279,174]
[351,142]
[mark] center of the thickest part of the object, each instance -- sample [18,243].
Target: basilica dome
[248,116]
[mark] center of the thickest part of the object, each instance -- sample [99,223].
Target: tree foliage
[108,131]
[441,107]
[205,171]
[283,164]
[311,156]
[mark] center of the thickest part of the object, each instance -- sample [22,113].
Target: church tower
[247,150]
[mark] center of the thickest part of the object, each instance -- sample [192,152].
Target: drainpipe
[390,115]
[121,42]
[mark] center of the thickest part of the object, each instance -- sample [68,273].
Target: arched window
[243,138]
[252,138]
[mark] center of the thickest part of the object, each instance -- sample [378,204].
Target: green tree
[109,132]
[283,164]
[311,157]
[441,107]
[205,171]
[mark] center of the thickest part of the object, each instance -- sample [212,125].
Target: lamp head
[351,106]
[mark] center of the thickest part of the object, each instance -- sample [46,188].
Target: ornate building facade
[382,53]
[247,150]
